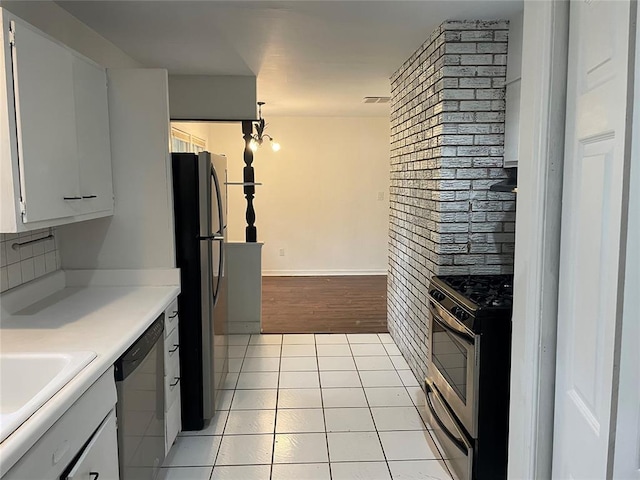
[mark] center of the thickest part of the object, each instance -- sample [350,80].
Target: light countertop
[103,319]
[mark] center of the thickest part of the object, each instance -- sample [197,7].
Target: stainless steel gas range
[468,369]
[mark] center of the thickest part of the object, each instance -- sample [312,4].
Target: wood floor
[344,304]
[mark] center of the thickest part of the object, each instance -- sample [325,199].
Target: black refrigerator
[200,206]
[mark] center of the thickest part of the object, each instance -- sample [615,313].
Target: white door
[45,118]
[92,127]
[590,247]
[99,459]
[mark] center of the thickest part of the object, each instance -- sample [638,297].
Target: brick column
[447,136]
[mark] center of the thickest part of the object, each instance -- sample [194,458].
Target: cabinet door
[172,425]
[94,149]
[100,456]
[45,117]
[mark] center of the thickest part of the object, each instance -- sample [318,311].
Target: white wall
[61,25]
[319,198]
[45,257]
[140,234]
[209,97]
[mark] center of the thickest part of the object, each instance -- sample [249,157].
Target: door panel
[46,124]
[206,289]
[94,148]
[591,225]
[220,347]
[100,456]
[449,355]
[204,194]
[586,373]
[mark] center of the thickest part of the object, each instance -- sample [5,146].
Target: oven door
[453,365]
[458,450]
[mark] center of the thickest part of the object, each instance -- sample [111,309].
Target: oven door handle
[461,444]
[460,335]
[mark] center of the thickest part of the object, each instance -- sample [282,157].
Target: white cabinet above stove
[512,100]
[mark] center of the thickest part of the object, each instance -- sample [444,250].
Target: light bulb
[275,146]
[253,145]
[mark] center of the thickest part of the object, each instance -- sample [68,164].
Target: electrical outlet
[282,252]
[380,196]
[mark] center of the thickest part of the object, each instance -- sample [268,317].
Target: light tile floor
[313,407]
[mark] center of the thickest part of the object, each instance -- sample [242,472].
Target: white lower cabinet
[174,424]
[172,405]
[99,459]
[68,443]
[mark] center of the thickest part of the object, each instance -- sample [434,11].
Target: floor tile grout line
[384,455]
[427,426]
[215,459]
[422,419]
[324,417]
[329,462]
[407,390]
[428,430]
[275,418]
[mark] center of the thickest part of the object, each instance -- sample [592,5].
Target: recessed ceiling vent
[375,100]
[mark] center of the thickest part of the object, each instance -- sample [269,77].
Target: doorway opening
[309,271]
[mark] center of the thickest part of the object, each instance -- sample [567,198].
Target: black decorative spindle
[251,233]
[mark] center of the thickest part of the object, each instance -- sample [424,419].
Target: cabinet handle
[175,347]
[175,314]
[176,382]
[94,475]
[89,196]
[72,198]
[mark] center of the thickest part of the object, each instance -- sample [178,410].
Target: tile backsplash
[20,265]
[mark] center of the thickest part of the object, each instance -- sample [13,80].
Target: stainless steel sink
[29,380]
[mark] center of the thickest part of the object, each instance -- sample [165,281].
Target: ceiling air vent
[375,100]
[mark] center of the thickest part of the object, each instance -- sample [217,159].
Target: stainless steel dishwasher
[139,376]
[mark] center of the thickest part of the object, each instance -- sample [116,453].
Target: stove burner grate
[486,291]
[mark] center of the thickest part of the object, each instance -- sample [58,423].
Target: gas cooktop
[485,291]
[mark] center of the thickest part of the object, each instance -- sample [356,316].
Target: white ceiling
[310,57]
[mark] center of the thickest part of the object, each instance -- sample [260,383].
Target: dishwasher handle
[134,356]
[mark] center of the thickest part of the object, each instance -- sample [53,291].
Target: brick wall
[447,135]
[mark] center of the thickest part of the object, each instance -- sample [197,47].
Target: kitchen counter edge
[156,298]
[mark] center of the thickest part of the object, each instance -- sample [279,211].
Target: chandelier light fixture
[259,137]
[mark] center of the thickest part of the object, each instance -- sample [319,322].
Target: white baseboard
[320,273]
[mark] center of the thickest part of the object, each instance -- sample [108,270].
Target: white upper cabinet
[512,100]
[94,149]
[46,125]
[56,159]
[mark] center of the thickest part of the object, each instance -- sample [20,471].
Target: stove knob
[459,313]
[438,295]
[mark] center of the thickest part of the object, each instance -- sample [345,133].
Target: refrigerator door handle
[216,294]
[218,235]
[216,183]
